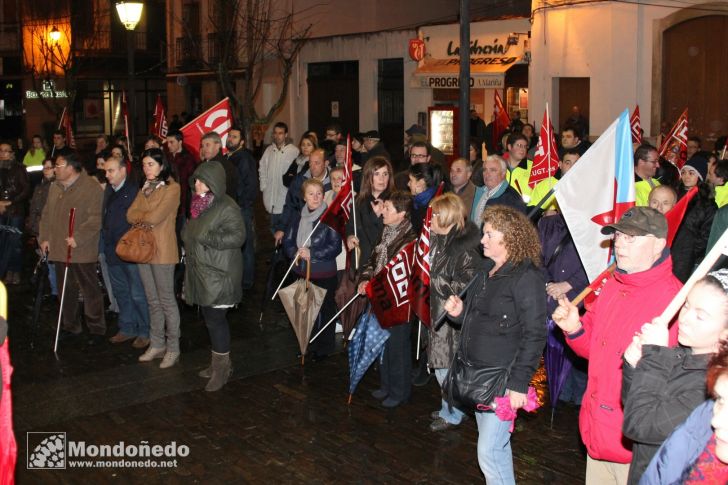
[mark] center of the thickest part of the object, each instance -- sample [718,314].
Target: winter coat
[159,210]
[231,175]
[682,449]
[37,203]
[247,191]
[325,245]
[454,259]
[509,197]
[642,189]
[86,196]
[212,243]
[114,224]
[561,260]
[369,227]
[294,199]
[720,224]
[14,187]
[664,388]
[183,165]
[504,321]
[273,165]
[691,240]
[467,195]
[625,303]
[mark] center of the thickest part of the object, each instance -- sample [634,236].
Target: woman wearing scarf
[424,178]
[319,251]
[212,240]
[156,205]
[395,371]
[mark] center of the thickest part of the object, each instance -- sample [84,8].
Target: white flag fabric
[597,190]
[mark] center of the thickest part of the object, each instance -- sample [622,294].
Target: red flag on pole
[218,118]
[501,121]
[675,215]
[339,211]
[675,146]
[546,158]
[67,126]
[387,290]
[160,119]
[636,126]
[419,288]
[125,115]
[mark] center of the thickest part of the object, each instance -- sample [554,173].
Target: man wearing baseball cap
[641,288]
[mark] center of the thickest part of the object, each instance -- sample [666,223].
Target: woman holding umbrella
[454,260]
[504,326]
[213,238]
[396,368]
[316,249]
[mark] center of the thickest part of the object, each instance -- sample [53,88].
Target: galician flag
[596,192]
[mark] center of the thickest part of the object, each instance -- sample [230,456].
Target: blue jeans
[494,449]
[456,415]
[248,248]
[52,278]
[16,260]
[129,291]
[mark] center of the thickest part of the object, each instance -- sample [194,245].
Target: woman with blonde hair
[454,260]
[504,326]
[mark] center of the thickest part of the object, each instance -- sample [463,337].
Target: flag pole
[293,263]
[548,135]
[60,123]
[440,320]
[71,224]
[585,292]
[357,295]
[419,337]
[541,203]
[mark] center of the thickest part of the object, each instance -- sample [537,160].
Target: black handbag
[467,385]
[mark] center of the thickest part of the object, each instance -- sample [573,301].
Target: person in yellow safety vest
[542,188]
[519,167]
[646,161]
[717,177]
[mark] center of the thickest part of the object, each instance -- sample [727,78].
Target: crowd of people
[635,377]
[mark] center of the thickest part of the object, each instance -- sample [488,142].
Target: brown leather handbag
[137,245]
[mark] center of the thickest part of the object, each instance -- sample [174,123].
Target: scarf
[389,234]
[424,197]
[490,194]
[150,186]
[305,225]
[200,203]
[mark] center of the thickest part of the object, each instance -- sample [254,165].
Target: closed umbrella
[302,302]
[558,365]
[366,345]
[345,292]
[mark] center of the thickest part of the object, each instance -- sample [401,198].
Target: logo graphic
[49,451]
[417,49]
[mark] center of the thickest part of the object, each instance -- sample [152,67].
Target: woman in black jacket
[424,179]
[504,325]
[213,237]
[454,260]
[319,251]
[660,385]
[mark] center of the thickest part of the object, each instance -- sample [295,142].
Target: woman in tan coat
[156,205]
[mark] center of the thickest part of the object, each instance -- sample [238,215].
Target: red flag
[636,126]
[501,121]
[338,213]
[387,290]
[675,215]
[597,285]
[419,288]
[67,126]
[546,159]
[219,119]
[160,119]
[675,146]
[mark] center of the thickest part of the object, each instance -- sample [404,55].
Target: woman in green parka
[213,237]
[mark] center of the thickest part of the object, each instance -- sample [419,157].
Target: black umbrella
[40,275]
[278,266]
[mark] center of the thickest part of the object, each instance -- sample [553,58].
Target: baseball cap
[640,221]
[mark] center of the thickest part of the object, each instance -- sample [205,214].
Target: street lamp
[129,14]
[55,34]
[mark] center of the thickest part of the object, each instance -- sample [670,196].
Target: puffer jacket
[325,245]
[691,240]
[213,241]
[14,187]
[454,260]
[682,449]
[664,388]
[625,303]
[504,322]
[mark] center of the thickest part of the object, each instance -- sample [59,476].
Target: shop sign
[452,82]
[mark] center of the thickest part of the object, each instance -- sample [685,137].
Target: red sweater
[626,302]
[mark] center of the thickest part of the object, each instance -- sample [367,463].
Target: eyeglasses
[418,156]
[60,165]
[653,160]
[628,238]
[520,145]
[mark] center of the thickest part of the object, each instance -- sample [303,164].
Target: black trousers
[326,342]
[396,369]
[82,276]
[217,326]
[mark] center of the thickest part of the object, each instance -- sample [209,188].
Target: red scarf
[708,468]
[200,203]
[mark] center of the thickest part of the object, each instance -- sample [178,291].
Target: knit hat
[699,164]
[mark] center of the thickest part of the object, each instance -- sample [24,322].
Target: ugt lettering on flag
[387,290]
[546,158]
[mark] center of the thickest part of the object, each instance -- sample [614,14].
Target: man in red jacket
[642,286]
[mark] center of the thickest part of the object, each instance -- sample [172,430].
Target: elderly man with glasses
[642,286]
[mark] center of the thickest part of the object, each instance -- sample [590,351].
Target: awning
[485,72]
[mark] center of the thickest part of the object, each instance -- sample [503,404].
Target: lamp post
[129,14]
